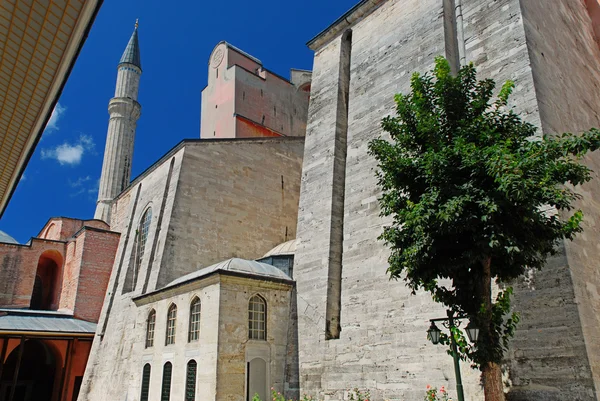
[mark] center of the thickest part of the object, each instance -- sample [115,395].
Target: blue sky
[62,176]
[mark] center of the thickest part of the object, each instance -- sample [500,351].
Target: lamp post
[450,322]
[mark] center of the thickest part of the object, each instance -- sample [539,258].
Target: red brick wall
[97,256]
[63,228]
[18,267]
[71,275]
[80,277]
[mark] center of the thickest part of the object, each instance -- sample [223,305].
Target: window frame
[188,382]
[150,328]
[141,237]
[255,333]
[194,320]
[171,329]
[146,375]
[165,391]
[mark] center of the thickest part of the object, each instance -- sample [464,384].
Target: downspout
[460,33]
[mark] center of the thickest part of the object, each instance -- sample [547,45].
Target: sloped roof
[4,237]
[287,248]
[235,265]
[15,320]
[131,55]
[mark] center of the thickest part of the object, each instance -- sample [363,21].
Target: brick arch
[47,280]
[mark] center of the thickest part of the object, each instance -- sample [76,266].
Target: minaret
[124,112]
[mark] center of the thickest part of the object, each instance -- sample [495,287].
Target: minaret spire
[124,111]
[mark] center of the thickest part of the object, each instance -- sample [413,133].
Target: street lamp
[433,334]
[472,332]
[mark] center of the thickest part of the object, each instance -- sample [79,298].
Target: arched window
[194,330]
[165,393]
[145,383]
[190,381]
[171,322]
[150,323]
[142,236]
[257,318]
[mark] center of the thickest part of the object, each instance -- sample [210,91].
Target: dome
[287,248]
[7,239]
[235,265]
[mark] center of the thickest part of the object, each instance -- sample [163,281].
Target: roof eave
[44,117]
[355,14]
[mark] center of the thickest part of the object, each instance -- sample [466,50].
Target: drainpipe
[460,33]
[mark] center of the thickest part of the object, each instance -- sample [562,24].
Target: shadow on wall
[47,277]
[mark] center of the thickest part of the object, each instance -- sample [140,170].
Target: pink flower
[442,389]
[428,387]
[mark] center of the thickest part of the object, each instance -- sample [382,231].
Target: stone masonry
[211,200]
[551,54]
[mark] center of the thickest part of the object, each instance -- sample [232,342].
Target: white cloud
[79,182]
[54,117]
[79,185]
[70,154]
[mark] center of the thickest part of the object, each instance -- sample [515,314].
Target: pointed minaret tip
[131,55]
[137,23]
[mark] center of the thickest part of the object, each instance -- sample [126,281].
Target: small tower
[124,112]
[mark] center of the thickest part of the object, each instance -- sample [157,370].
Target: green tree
[475,195]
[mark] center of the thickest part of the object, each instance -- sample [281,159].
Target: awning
[42,323]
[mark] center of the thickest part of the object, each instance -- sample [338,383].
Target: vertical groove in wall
[450,35]
[158,225]
[336,242]
[123,250]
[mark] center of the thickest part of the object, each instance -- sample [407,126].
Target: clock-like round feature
[217,57]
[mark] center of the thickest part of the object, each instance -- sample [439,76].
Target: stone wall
[557,350]
[203,351]
[235,199]
[235,349]
[381,344]
[210,201]
[111,364]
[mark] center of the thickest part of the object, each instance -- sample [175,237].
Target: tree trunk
[491,372]
[492,382]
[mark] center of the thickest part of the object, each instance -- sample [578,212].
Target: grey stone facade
[211,200]
[551,55]
[345,324]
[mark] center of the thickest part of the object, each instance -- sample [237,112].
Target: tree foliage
[468,182]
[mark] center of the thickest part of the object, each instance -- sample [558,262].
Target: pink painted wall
[243,100]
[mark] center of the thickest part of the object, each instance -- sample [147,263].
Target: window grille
[150,328]
[194,330]
[171,321]
[190,381]
[257,313]
[165,394]
[145,383]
